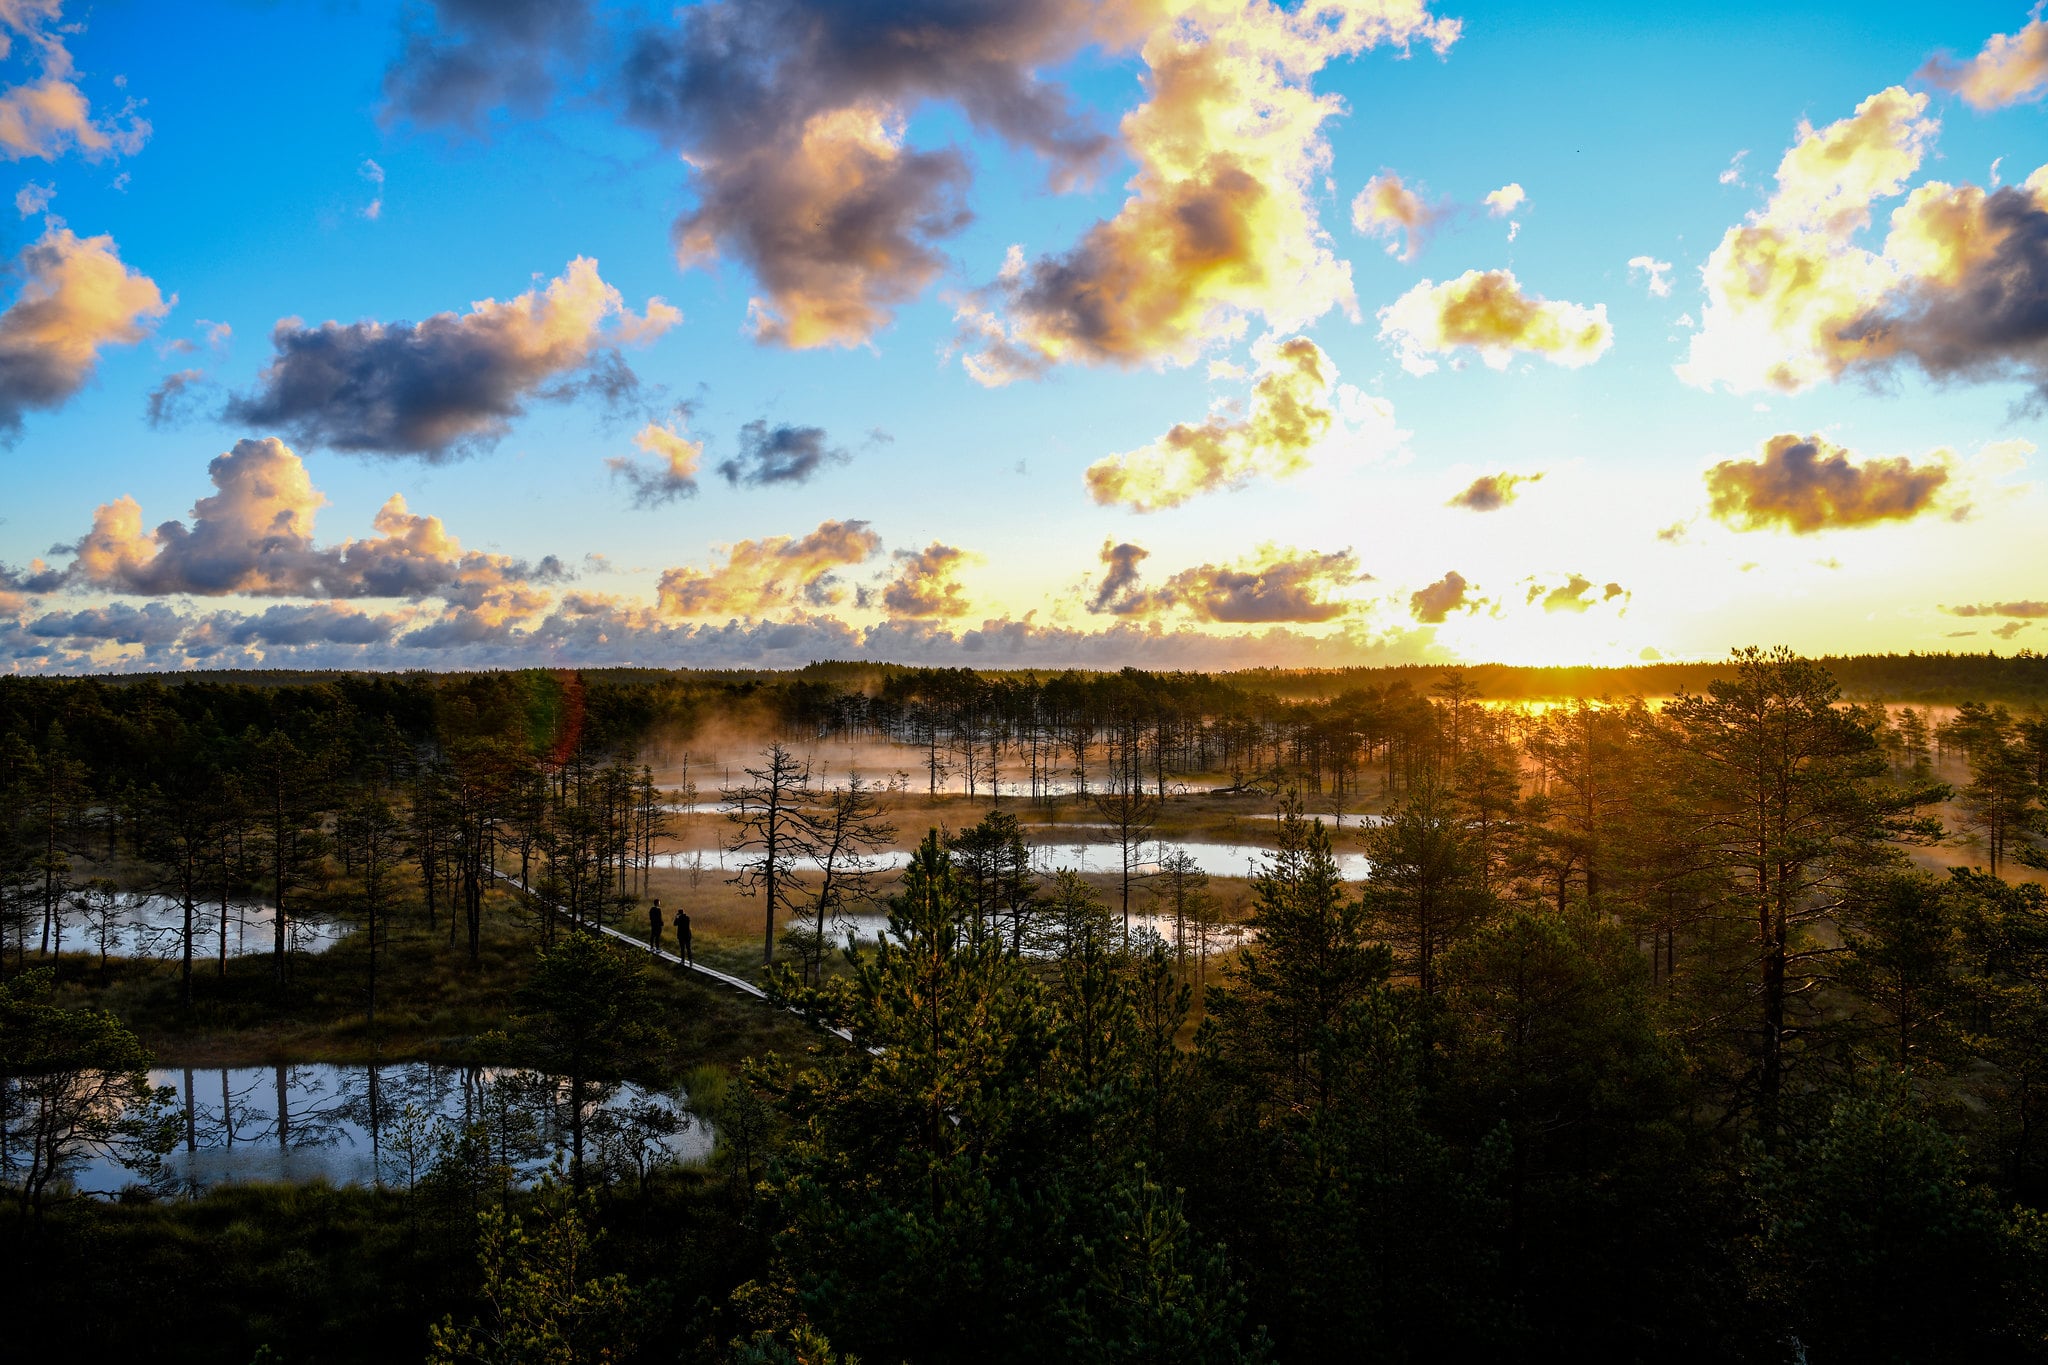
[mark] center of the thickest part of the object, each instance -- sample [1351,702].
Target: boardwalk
[640,945]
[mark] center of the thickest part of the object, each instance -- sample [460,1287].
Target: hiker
[654,925]
[683,934]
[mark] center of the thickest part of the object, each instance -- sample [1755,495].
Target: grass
[433,1003]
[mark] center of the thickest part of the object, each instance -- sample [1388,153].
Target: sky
[1017,333]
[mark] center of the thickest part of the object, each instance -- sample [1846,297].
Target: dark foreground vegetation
[1654,1034]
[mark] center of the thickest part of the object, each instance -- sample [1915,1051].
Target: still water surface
[361,1125]
[142,925]
[1216,859]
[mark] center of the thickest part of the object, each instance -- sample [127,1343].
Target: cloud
[1276,584]
[120,623]
[589,630]
[1388,208]
[593,631]
[170,402]
[477,56]
[1657,274]
[839,228]
[295,626]
[48,115]
[779,572]
[1575,594]
[2012,69]
[1973,299]
[779,454]
[31,199]
[1433,604]
[1808,484]
[1959,289]
[453,382]
[2027,610]
[1118,593]
[1488,311]
[1221,223]
[1505,200]
[76,297]
[1783,286]
[373,173]
[1289,412]
[1279,584]
[1732,175]
[253,536]
[792,113]
[673,472]
[1491,492]
[925,585]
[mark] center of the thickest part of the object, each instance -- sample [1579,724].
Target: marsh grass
[433,1003]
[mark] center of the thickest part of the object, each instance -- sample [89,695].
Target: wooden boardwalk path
[641,945]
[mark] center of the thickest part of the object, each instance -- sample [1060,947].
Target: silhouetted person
[683,934]
[654,925]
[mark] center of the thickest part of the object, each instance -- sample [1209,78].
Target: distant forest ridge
[2020,678]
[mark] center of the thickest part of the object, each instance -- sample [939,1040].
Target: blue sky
[1898,512]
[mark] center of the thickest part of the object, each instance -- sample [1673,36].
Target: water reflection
[1217,859]
[362,1125]
[1222,938]
[140,925]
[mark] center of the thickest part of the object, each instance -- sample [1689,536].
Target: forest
[1687,1012]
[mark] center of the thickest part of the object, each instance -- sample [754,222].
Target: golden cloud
[1786,287]
[1275,584]
[1959,288]
[1434,604]
[1288,413]
[2025,610]
[771,574]
[926,584]
[1487,311]
[1491,492]
[1505,200]
[1808,484]
[76,298]
[837,227]
[1278,584]
[1388,208]
[1221,223]
[1575,594]
[2012,69]
[671,474]
[254,537]
[48,116]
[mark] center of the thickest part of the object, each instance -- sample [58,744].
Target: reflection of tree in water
[135,924]
[397,1108]
[484,1128]
[281,1106]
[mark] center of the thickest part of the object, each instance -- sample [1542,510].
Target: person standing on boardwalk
[654,925]
[683,934]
